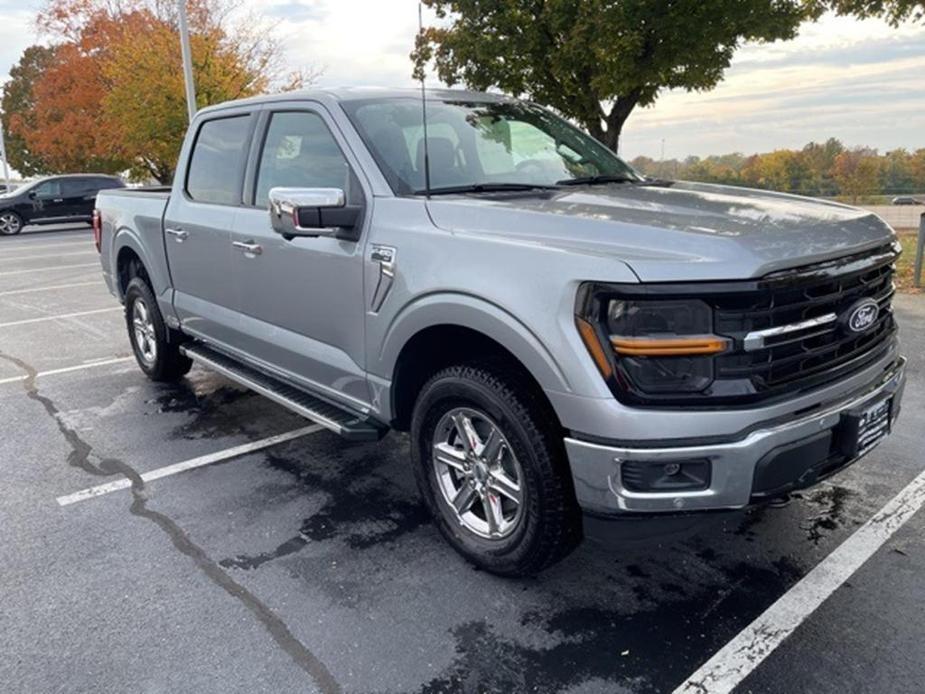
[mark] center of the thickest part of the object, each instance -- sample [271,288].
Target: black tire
[164,362]
[549,524]
[11,223]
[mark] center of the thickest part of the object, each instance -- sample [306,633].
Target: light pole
[187,60]
[6,166]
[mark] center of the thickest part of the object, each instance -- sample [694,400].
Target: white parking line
[33,245]
[201,461]
[68,369]
[53,287]
[46,255]
[60,316]
[42,269]
[732,664]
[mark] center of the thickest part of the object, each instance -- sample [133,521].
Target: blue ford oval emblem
[862,315]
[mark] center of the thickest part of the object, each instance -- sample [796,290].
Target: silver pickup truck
[565,340]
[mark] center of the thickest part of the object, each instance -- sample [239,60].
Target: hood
[677,232]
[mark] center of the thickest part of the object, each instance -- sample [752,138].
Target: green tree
[18,109]
[897,172]
[820,158]
[596,60]
[917,170]
[894,11]
[857,172]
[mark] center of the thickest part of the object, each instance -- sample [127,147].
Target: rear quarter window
[217,161]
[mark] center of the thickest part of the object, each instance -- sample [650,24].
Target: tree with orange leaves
[112,99]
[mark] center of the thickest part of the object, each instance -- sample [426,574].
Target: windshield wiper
[596,180]
[484,188]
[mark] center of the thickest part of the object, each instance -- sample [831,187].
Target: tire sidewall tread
[551,525]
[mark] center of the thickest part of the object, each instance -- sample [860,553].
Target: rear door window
[76,187]
[217,162]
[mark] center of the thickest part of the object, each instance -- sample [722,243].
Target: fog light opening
[659,476]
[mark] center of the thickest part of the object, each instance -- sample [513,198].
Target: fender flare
[125,237]
[479,315]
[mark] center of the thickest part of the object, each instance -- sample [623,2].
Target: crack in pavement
[80,457]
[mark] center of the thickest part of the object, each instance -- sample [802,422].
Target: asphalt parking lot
[310,565]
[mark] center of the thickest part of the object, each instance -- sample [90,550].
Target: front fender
[477,314]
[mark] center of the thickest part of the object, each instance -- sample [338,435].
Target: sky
[860,81]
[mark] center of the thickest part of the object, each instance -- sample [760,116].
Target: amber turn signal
[669,347]
[593,343]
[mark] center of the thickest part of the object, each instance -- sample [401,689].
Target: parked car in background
[53,200]
[558,333]
[906,200]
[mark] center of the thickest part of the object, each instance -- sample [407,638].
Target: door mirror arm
[313,212]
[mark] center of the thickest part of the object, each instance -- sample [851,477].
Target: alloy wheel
[9,223]
[478,474]
[145,336]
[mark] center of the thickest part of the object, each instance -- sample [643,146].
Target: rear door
[198,221]
[83,198]
[301,300]
[48,201]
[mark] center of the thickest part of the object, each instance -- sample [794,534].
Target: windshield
[472,144]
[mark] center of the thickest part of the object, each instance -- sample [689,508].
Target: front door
[301,300]
[197,228]
[48,201]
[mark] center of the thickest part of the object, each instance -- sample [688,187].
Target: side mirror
[312,212]
[33,195]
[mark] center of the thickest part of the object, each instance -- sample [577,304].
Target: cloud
[861,81]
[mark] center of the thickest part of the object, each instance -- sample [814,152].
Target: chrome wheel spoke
[493,448]
[494,514]
[450,456]
[467,433]
[464,498]
[504,485]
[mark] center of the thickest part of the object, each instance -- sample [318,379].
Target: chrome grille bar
[755,340]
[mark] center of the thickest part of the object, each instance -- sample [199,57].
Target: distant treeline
[827,169]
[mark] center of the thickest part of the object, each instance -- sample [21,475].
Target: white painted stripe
[68,369]
[60,316]
[33,245]
[52,288]
[734,661]
[43,269]
[47,255]
[201,461]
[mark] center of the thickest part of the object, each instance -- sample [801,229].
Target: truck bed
[140,210]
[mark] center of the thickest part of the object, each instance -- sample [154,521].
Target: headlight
[652,345]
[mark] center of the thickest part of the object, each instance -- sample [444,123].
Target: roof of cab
[342,94]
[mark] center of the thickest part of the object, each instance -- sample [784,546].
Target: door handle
[58,200]
[179,234]
[249,248]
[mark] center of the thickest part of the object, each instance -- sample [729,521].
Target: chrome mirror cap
[289,207]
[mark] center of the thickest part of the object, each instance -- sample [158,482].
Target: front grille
[817,296]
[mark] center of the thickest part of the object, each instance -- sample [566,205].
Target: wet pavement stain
[82,456]
[361,509]
[831,514]
[215,407]
[648,650]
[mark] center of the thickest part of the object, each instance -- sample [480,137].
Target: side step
[349,425]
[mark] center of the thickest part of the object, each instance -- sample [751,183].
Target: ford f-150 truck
[563,338]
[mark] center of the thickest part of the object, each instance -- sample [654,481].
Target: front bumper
[798,450]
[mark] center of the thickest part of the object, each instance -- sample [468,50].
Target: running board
[348,424]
